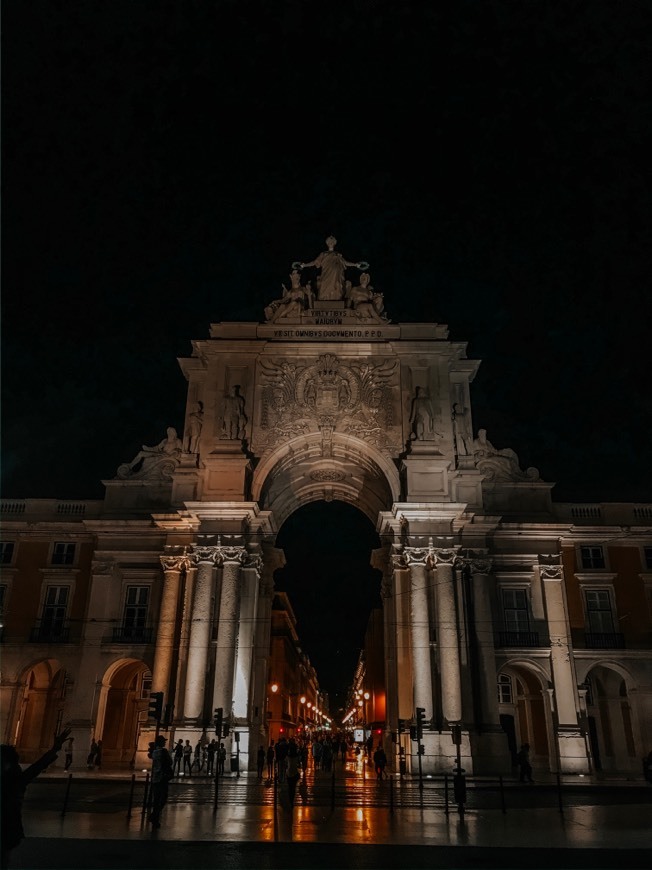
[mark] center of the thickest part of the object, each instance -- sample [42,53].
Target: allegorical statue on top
[332,266]
[154,463]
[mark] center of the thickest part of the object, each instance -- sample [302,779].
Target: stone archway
[41,708]
[122,710]
[523,706]
[611,719]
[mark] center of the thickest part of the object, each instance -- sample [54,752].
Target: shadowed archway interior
[331,585]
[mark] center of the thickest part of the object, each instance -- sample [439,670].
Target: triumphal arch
[327,398]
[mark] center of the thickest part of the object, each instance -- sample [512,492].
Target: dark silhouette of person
[260,762]
[162,773]
[178,757]
[523,760]
[271,755]
[292,773]
[14,782]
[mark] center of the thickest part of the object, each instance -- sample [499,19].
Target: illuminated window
[599,612]
[505,692]
[515,610]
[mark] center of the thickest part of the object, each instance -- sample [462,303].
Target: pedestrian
[178,758]
[162,773]
[292,769]
[90,761]
[369,745]
[14,782]
[270,761]
[380,762]
[68,750]
[198,760]
[187,757]
[221,759]
[98,755]
[281,755]
[261,757]
[523,760]
[210,757]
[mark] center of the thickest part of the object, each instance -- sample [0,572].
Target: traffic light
[226,727]
[401,726]
[155,710]
[421,718]
[413,733]
[217,719]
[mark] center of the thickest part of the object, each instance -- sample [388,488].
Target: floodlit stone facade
[504,613]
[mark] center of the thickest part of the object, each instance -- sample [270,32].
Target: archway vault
[311,468]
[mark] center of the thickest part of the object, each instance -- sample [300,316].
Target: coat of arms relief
[329,395]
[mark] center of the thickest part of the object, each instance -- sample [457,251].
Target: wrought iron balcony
[518,638]
[132,634]
[604,640]
[49,634]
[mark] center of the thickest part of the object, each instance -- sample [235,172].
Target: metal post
[65,799]
[131,795]
[391,793]
[145,795]
[502,794]
[446,793]
[420,767]
[275,806]
[333,789]
[217,780]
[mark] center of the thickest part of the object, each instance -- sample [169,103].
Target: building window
[647,557]
[599,613]
[592,557]
[54,611]
[63,553]
[135,612]
[505,692]
[515,610]
[6,552]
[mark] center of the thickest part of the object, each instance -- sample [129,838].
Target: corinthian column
[419,562]
[447,637]
[200,631]
[230,559]
[167,622]
[480,567]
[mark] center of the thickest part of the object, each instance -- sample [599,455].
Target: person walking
[221,759]
[162,773]
[178,758]
[260,762]
[14,782]
[68,750]
[198,758]
[523,761]
[211,749]
[270,761]
[292,769]
[187,758]
[90,761]
[380,762]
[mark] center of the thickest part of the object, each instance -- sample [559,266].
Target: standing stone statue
[333,266]
[193,429]
[234,420]
[461,430]
[421,416]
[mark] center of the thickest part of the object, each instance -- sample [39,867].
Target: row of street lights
[310,710]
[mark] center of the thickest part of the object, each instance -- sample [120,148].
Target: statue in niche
[330,283]
[292,303]
[343,393]
[193,429]
[364,300]
[499,464]
[422,416]
[234,420]
[461,430]
[154,462]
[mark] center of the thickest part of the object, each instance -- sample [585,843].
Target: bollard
[391,793]
[503,806]
[131,795]
[561,805]
[446,793]
[65,799]
[216,787]
[333,789]
[145,795]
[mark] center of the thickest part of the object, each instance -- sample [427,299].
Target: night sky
[164,164]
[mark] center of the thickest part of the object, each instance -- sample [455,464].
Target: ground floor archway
[612,720]
[40,708]
[122,711]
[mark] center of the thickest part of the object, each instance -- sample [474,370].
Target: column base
[440,754]
[490,752]
[572,752]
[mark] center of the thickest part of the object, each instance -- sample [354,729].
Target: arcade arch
[524,712]
[122,710]
[40,708]
[612,718]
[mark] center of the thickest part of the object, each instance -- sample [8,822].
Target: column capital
[550,567]
[174,563]
[477,562]
[445,556]
[105,567]
[202,553]
[229,555]
[398,560]
[418,556]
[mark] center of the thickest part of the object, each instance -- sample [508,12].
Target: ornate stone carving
[422,418]
[154,463]
[193,429]
[478,564]
[366,303]
[332,266]
[328,393]
[327,475]
[175,563]
[551,572]
[228,555]
[419,556]
[102,567]
[292,303]
[445,556]
[499,465]
[200,553]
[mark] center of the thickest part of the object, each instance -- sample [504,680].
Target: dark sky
[164,163]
